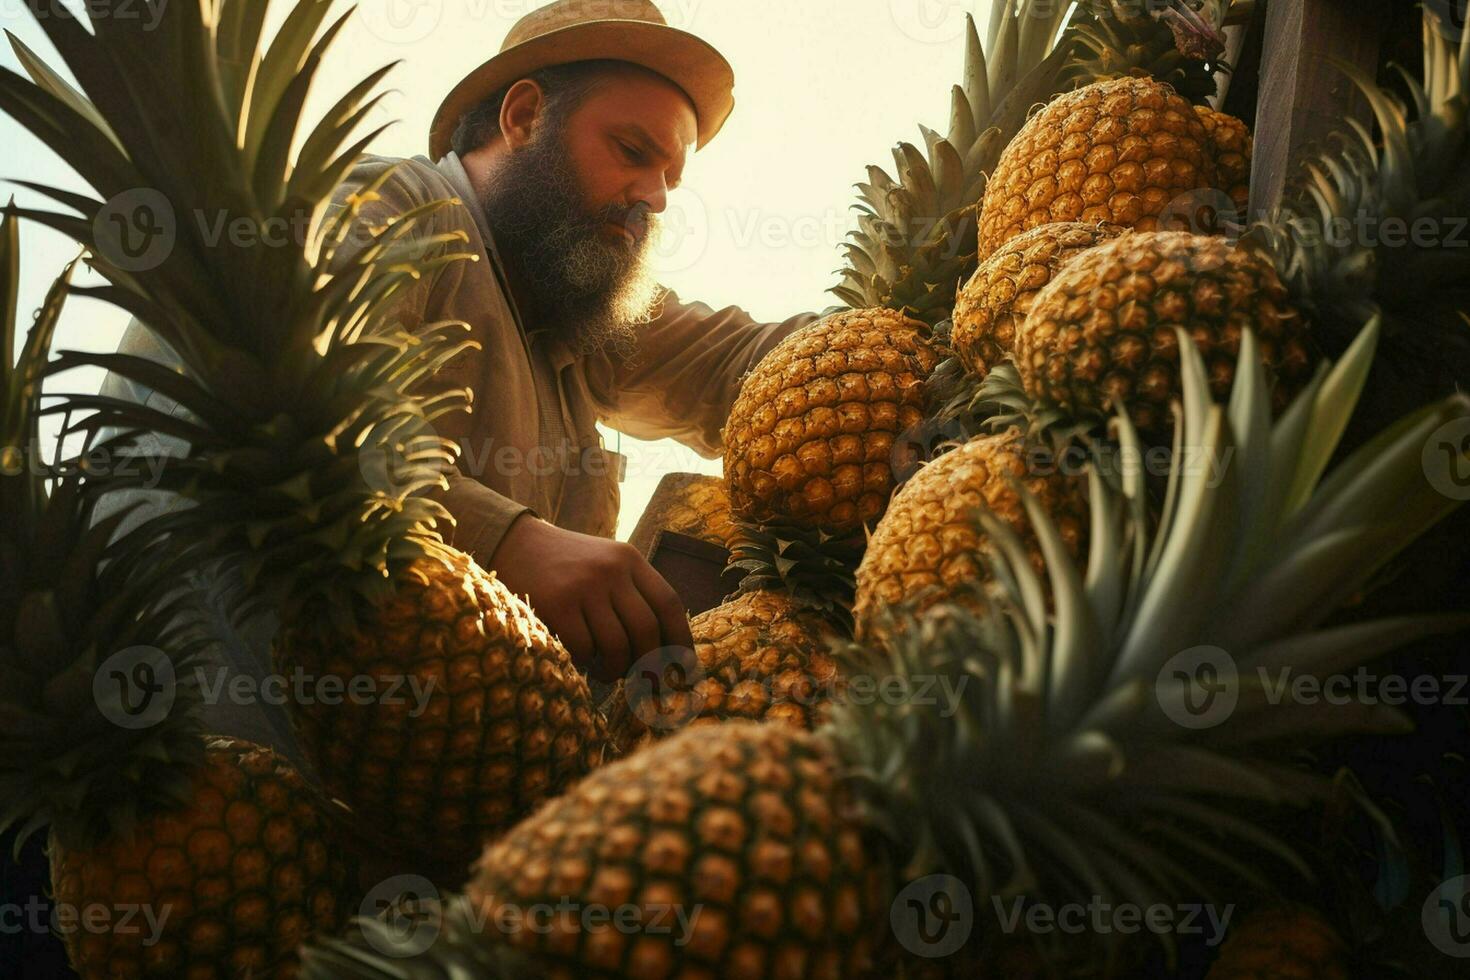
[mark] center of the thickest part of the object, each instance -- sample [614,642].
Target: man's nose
[652,194]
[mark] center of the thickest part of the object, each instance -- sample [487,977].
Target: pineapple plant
[791,844]
[226,858]
[812,438]
[992,305]
[1290,942]
[1117,151]
[915,240]
[1103,332]
[297,376]
[915,236]
[928,546]
[763,654]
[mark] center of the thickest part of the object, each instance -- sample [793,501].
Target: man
[562,150]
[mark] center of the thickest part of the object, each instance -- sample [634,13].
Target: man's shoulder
[410,182]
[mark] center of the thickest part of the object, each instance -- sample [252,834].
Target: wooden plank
[1304,97]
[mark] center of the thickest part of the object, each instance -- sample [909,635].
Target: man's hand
[602,599]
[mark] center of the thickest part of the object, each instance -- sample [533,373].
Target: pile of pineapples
[934,489]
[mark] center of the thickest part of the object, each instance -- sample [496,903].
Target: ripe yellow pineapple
[687,503]
[240,876]
[765,653]
[928,546]
[506,721]
[742,828]
[296,373]
[1287,942]
[811,438]
[1231,144]
[1102,333]
[1116,151]
[991,306]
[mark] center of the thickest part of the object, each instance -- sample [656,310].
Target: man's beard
[593,292]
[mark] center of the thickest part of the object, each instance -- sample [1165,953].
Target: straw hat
[582,30]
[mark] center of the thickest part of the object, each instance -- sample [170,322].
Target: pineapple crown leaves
[915,237]
[296,374]
[1415,170]
[1059,746]
[74,592]
[814,567]
[999,401]
[1175,41]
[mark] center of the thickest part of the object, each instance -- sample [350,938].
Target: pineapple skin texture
[811,438]
[1291,943]
[929,539]
[1102,332]
[1232,146]
[509,720]
[762,657]
[247,871]
[743,822]
[1117,151]
[765,658]
[991,306]
[702,511]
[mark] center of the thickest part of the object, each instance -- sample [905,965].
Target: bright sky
[823,88]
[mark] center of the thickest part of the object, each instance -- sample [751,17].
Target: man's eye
[633,154]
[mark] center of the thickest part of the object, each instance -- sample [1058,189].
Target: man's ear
[523,104]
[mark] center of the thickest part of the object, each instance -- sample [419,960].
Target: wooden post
[1303,96]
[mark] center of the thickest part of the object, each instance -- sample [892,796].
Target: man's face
[574,206]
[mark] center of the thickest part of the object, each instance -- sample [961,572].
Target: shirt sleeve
[684,378]
[481,515]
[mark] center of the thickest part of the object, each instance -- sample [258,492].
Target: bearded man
[560,152]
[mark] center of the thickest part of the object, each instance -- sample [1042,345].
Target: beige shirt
[531,440]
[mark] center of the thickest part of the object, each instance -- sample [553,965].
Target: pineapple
[1117,151]
[230,858]
[928,546]
[1232,145]
[812,438]
[991,306]
[686,503]
[1059,774]
[1288,942]
[915,236]
[297,375]
[1103,333]
[764,654]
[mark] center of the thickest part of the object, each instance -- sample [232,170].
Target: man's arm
[687,373]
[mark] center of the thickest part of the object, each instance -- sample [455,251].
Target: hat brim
[684,59]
